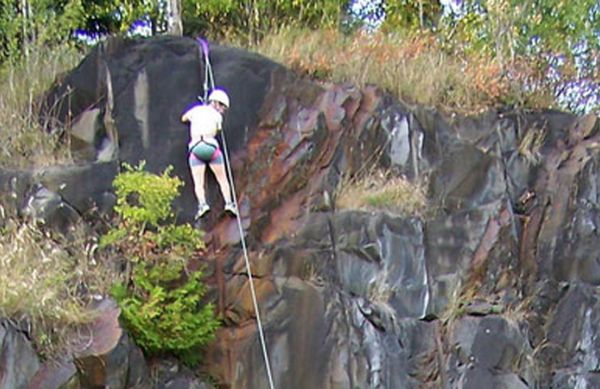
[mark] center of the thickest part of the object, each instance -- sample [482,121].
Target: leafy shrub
[143,204]
[161,317]
[160,301]
[144,198]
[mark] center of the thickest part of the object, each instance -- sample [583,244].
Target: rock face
[18,360]
[126,98]
[495,287]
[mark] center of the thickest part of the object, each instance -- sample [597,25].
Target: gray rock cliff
[495,287]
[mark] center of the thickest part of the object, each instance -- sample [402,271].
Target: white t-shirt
[205,121]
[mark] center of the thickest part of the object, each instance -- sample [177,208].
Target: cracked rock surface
[495,287]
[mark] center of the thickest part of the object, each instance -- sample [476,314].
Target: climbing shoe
[202,210]
[230,207]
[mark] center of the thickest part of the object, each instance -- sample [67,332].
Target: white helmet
[219,96]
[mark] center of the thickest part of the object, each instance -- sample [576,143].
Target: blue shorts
[203,153]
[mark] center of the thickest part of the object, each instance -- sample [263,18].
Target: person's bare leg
[221,176]
[198,173]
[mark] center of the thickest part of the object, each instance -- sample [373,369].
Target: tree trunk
[24,39]
[174,23]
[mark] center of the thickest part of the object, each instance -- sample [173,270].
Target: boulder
[488,352]
[59,196]
[110,358]
[128,96]
[18,359]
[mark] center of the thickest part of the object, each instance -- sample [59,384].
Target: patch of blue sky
[372,12]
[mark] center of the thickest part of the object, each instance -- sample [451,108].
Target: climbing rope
[250,279]
[209,81]
[209,84]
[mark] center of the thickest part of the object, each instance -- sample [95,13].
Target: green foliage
[160,301]
[144,202]
[255,18]
[144,198]
[26,24]
[524,38]
[542,47]
[184,236]
[163,318]
[529,38]
[50,22]
[113,236]
[117,16]
[31,23]
[411,14]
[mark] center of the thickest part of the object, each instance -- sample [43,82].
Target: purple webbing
[204,46]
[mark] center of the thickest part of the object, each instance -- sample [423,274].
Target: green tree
[254,18]
[161,300]
[27,23]
[411,14]
[116,17]
[557,35]
[517,27]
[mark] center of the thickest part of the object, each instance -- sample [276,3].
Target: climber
[205,121]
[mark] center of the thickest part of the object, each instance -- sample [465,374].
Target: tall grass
[23,140]
[415,68]
[382,191]
[47,282]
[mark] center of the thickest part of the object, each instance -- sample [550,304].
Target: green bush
[144,203]
[162,318]
[161,302]
[144,198]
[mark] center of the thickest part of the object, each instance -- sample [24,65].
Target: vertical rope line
[209,78]
[250,278]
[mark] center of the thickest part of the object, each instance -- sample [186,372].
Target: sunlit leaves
[253,19]
[559,38]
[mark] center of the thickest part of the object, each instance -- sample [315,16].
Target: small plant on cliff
[161,300]
[378,190]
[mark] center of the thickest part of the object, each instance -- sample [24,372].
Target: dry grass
[531,144]
[47,282]
[23,141]
[381,191]
[379,290]
[412,67]
[455,307]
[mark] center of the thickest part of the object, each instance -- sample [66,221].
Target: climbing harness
[209,84]
[204,151]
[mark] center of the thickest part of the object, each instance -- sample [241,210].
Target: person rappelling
[206,121]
